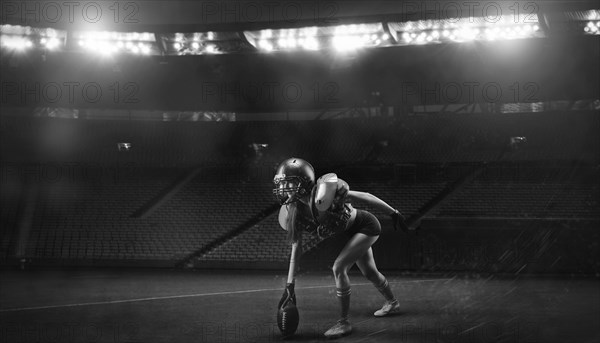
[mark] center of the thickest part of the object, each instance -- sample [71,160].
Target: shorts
[365,223]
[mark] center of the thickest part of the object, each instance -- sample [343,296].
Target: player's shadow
[361,326]
[303,336]
[395,314]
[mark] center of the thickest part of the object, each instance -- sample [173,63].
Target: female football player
[325,208]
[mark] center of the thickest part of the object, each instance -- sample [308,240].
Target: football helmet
[293,179]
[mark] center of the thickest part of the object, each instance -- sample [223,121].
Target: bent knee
[339,268]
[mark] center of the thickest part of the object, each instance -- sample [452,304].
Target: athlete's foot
[341,328]
[388,308]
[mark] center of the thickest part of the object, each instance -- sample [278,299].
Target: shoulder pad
[325,191]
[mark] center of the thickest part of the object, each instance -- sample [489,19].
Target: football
[287,319]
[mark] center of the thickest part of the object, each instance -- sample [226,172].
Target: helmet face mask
[286,189]
[294,179]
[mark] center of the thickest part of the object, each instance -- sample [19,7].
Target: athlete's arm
[372,200]
[295,258]
[296,246]
[368,198]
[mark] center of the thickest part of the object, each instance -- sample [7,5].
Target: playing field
[153,305]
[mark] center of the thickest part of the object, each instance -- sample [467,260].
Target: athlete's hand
[399,221]
[288,296]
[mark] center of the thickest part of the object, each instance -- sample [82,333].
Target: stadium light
[465,30]
[592,28]
[123,146]
[108,43]
[16,42]
[201,43]
[340,37]
[26,37]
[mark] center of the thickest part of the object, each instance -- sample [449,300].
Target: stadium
[140,141]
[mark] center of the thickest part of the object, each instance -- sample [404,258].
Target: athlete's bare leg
[356,247]
[367,266]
